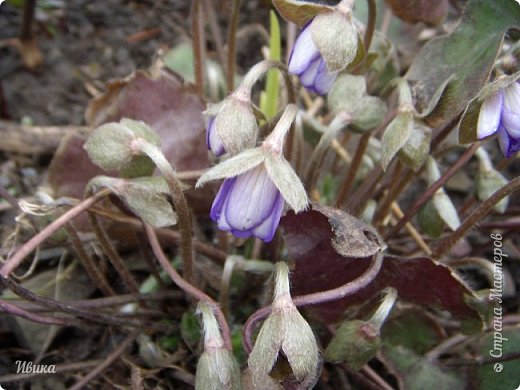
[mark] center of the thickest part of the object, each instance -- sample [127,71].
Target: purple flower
[307,63]
[500,113]
[249,205]
[212,138]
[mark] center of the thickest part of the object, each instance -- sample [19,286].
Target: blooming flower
[307,63]
[249,205]
[257,184]
[500,113]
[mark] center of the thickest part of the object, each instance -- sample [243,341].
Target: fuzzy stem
[476,215]
[340,292]
[187,287]
[231,41]
[13,262]
[179,201]
[353,170]
[425,197]
[197,32]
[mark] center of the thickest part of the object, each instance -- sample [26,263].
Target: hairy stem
[13,262]
[334,294]
[425,197]
[474,217]
[181,206]
[187,287]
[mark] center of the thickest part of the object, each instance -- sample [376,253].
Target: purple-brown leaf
[312,238]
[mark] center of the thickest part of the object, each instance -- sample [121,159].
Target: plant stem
[197,32]
[66,307]
[231,41]
[211,15]
[395,190]
[361,195]
[334,294]
[353,170]
[187,287]
[171,235]
[181,206]
[89,265]
[109,250]
[13,262]
[19,312]
[425,197]
[371,24]
[339,122]
[27,20]
[474,217]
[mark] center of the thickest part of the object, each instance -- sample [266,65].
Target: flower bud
[489,180]
[416,149]
[440,207]
[217,369]
[356,341]
[349,95]
[112,146]
[232,125]
[285,330]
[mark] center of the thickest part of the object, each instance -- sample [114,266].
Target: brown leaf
[166,105]
[312,238]
[414,11]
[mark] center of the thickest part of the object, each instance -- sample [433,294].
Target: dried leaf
[312,241]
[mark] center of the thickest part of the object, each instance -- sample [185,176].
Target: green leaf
[468,53]
[418,373]
[145,196]
[508,377]
[412,329]
[395,137]
[269,98]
